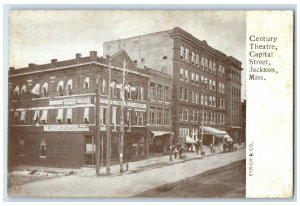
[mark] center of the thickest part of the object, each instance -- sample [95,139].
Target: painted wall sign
[70,101]
[126,103]
[66,128]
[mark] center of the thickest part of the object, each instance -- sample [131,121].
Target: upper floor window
[69,116]
[59,117]
[193,58]
[103,91]
[16,91]
[192,78]
[86,115]
[210,66]
[181,52]
[186,56]
[43,149]
[197,60]
[60,88]
[181,74]
[86,84]
[44,117]
[214,67]
[36,117]
[69,87]
[45,89]
[186,75]
[197,79]
[23,89]
[206,63]
[202,62]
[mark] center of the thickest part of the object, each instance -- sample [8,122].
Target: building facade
[203,79]
[52,111]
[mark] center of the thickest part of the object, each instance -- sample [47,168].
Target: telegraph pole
[202,120]
[97,129]
[108,135]
[122,118]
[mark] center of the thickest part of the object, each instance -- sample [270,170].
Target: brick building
[205,82]
[52,110]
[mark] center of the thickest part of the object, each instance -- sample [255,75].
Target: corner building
[206,83]
[52,111]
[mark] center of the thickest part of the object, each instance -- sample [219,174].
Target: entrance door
[90,150]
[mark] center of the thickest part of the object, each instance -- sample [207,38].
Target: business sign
[66,128]
[70,101]
[126,103]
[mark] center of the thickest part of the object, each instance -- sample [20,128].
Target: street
[126,185]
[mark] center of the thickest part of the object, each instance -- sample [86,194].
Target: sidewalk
[133,167]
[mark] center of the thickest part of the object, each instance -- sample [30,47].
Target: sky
[37,36]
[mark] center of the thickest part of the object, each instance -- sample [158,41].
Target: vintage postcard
[150,103]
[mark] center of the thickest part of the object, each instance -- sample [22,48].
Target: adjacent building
[206,83]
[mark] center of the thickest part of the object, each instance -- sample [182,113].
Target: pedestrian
[175,151]
[180,151]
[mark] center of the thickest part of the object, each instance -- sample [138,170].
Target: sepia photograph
[129,103]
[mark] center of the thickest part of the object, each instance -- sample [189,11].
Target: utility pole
[97,128]
[122,119]
[108,135]
[202,120]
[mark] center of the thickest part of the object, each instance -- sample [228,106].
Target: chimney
[53,62]
[31,65]
[93,54]
[78,56]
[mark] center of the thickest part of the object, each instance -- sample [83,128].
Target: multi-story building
[52,110]
[201,75]
[159,111]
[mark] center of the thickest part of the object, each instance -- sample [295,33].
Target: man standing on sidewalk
[197,146]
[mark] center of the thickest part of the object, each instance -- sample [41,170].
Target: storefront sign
[126,103]
[66,128]
[70,101]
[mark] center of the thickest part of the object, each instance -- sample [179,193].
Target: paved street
[126,185]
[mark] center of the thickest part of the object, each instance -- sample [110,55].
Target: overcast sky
[39,36]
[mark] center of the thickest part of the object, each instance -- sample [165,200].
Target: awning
[60,114]
[23,89]
[86,113]
[44,115]
[70,83]
[17,90]
[86,83]
[69,113]
[36,114]
[23,113]
[90,148]
[159,133]
[189,140]
[60,85]
[215,131]
[45,85]
[36,89]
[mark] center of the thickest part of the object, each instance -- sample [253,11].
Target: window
[193,58]
[197,60]
[23,89]
[197,79]
[23,115]
[196,116]
[141,118]
[43,149]
[86,115]
[181,52]
[214,101]
[60,88]
[192,78]
[192,116]
[86,84]
[16,91]
[166,117]
[186,113]
[141,96]
[205,100]
[214,68]
[181,93]
[69,116]
[193,97]
[181,74]
[183,132]
[159,93]
[152,115]
[196,97]
[36,117]
[210,66]
[186,75]
[167,94]
[210,101]
[181,114]
[59,117]
[103,91]
[102,116]
[202,99]
[159,116]
[44,117]
[45,89]
[152,91]
[21,149]
[206,63]
[16,116]
[194,134]
[205,117]
[186,95]
[214,85]
[186,56]
[114,118]
[210,84]
[202,62]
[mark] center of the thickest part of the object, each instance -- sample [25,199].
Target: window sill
[43,157]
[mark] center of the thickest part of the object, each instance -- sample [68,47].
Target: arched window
[181,52]
[16,91]
[69,86]
[45,89]
[86,84]
[60,88]
[23,89]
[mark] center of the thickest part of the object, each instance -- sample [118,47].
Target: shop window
[44,117]
[69,116]
[59,117]
[43,149]
[36,117]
